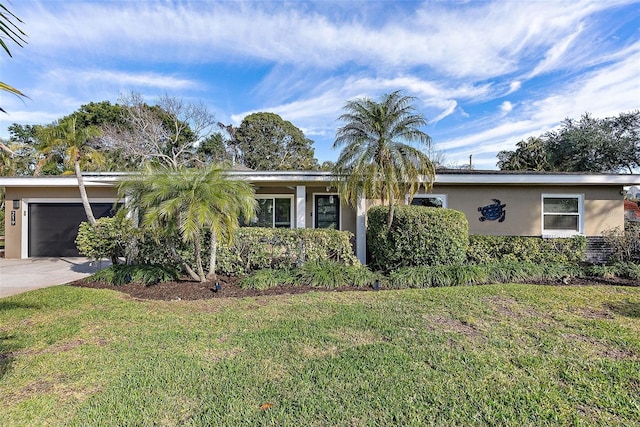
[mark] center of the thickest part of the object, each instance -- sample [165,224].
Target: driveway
[21,275]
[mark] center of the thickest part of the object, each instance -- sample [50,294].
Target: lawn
[486,355]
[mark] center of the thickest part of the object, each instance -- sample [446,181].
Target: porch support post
[301,203]
[361,229]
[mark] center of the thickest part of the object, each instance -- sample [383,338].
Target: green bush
[495,249]
[628,270]
[267,278]
[331,274]
[419,236]
[459,275]
[256,248]
[110,238]
[140,273]
[624,243]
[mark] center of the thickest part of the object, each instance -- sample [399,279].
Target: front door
[327,207]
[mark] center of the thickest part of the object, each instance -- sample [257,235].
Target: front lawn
[487,355]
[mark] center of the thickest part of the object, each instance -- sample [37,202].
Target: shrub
[459,275]
[146,274]
[495,249]
[418,236]
[110,238]
[628,270]
[255,248]
[437,276]
[624,243]
[267,278]
[331,274]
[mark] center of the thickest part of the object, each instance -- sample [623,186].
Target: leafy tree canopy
[267,142]
[608,145]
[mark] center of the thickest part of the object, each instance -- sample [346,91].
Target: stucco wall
[603,207]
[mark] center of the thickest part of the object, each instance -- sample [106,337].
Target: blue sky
[486,74]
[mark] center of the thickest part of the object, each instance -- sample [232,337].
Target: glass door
[327,207]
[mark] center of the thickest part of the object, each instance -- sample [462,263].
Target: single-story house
[43,213]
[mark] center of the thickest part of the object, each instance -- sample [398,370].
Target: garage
[53,227]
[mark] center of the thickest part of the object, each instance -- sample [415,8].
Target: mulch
[229,288]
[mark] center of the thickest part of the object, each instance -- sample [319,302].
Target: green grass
[486,355]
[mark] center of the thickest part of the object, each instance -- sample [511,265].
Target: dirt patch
[448,324]
[190,290]
[601,348]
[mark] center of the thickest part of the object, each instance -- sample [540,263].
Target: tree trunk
[213,257]
[83,194]
[197,248]
[390,214]
[189,270]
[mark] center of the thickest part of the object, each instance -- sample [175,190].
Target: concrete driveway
[21,275]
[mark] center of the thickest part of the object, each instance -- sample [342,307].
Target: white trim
[291,197]
[301,206]
[580,214]
[24,229]
[361,229]
[313,208]
[440,196]
[107,179]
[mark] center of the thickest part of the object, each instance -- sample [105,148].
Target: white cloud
[506,107]
[490,37]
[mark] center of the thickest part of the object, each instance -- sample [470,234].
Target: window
[562,214]
[273,212]
[430,200]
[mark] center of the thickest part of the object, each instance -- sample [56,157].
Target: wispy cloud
[486,74]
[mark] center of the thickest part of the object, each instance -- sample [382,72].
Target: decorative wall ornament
[493,211]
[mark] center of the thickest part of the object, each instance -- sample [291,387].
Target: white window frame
[291,197]
[313,208]
[442,197]
[580,214]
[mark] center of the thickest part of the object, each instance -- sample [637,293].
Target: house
[43,213]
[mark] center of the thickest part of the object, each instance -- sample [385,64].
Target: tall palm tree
[74,143]
[377,159]
[191,203]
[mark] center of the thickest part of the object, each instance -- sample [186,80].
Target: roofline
[107,179]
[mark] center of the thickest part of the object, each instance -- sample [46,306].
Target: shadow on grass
[625,308]
[13,305]
[8,343]
[7,348]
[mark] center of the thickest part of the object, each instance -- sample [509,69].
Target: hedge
[256,248]
[495,249]
[418,236]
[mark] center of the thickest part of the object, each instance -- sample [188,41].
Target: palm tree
[191,203]
[74,143]
[377,160]
[10,30]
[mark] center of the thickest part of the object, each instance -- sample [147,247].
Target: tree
[267,142]
[529,155]
[190,203]
[607,145]
[77,151]
[167,133]
[377,160]
[9,28]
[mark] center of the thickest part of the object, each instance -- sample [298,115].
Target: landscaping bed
[191,290]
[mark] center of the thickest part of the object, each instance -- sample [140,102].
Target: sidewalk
[21,275]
